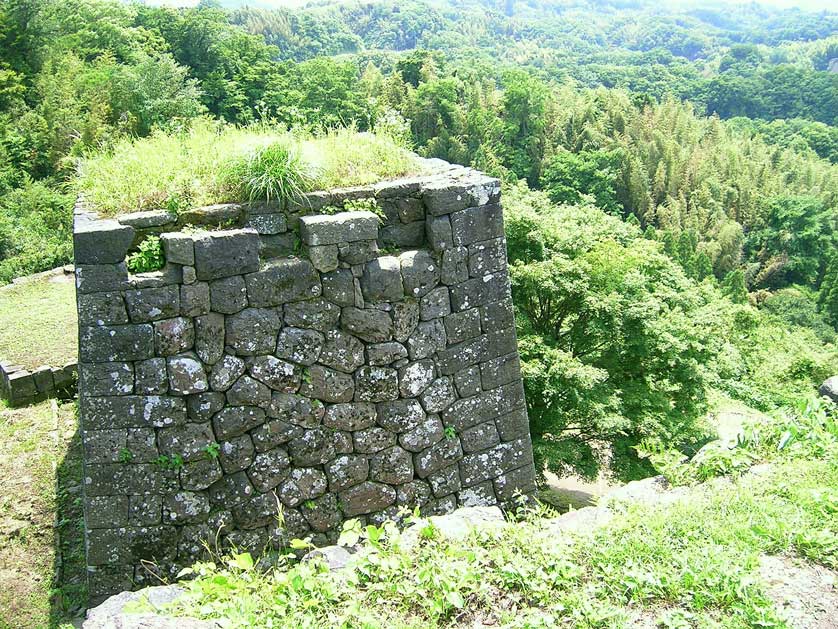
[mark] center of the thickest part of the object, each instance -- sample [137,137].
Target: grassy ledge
[211,163]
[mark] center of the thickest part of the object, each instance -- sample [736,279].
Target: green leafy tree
[735,288]
[567,177]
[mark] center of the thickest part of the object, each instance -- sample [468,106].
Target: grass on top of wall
[38,324]
[214,163]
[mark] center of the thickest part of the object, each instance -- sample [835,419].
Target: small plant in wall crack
[174,462]
[212,450]
[148,257]
[125,455]
[450,432]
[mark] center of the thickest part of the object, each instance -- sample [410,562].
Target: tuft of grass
[212,162]
[38,324]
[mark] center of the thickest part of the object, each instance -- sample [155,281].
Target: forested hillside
[671,178]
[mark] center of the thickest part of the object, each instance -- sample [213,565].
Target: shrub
[148,257]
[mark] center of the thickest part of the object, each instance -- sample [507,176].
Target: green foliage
[274,172]
[567,177]
[612,335]
[734,287]
[148,257]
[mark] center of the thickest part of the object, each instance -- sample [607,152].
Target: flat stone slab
[344,227]
[110,614]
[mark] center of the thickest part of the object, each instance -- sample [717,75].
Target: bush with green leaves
[148,257]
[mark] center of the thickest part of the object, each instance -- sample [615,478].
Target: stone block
[490,464]
[435,304]
[131,411]
[445,482]
[467,381]
[314,314]
[232,490]
[282,281]
[359,252]
[236,454]
[152,304]
[299,345]
[429,431]
[101,242]
[186,375]
[376,384]
[225,253]
[210,337]
[339,287]
[178,248]
[253,331]
[477,224]
[277,374]
[462,326]
[350,416]
[342,351]
[148,219]
[420,272]
[443,196]
[480,291]
[327,385]
[301,485]
[194,299]
[403,235]
[498,316]
[479,437]
[514,483]
[269,469]
[274,432]
[385,353]
[501,370]
[297,409]
[189,441]
[116,343]
[400,415]
[185,507]
[268,224]
[199,475]
[347,470]
[233,421]
[101,309]
[438,456]
[324,229]
[173,336]
[322,513]
[488,405]
[438,233]
[393,466]
[106,378]
[513,425]
[427,339]
[42,377]
[465,354]
[454,267]
[479,495]
[382,280]
[373,326]
[416,493]
[106,511]
[366,497]
[324,258]
[104,446]
[438,396]
[225,372]
[314,447]
[201,407]
[98,278]
[405,319]
[371,440]
[228,295]
[488,256]
[247,391]
[219,214]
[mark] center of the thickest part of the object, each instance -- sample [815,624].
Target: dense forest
[671,174]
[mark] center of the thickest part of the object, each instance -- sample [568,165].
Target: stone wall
[307,360]
[20,387]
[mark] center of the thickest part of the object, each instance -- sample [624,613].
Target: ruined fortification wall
[336,365]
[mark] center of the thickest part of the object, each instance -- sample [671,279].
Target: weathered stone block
[400,415]
[373,326]
[107,378]
[101,309]
[275,373]
[299,345]
[232,490]
[185,507]
[225,253]
[501,370]
[360,252]
[101,242]
[438,232]
[322,513]
[382,280]
[420,272]
[269,469]
[515,483]
[209,337]
[513,425]
[200,474]
[327,385]
[151,304]
[366,497]
[346,471]
[106,511]
[115,343]
[189,441]
[104,446]
[485,257]
[173,336]
[178,248]
[228,295]
[131,411]
[268,224]
[200,407]
[194,300]
[393,466]
[445,482]
[385,353]
[462,355]
[233,421]
[351,416]
[236,454]
[454,268]
[314,447]
[488,405]
[429,431]
[297,409]
[442,196]
[225,372]
[438,396]
[405,319]
[490,464]
[479,291]
[97,278]
[479,495]
[324,258]
[186,375]
[467,381]
[315,314]
[253,331]
[435,304]
[302,484]
[438,456]
[476,224]
[462,326]
[373,439]
[324,229]
[479,437]
[427,339]
[248,392]
[342,351]
[376,384]
[282,281]
[339,287]
[274,432]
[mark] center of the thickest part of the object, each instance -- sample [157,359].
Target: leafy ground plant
[148,257]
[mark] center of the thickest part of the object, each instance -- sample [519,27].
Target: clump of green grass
[212,162]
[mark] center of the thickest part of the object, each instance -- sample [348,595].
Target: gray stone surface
[102,242]
[330,378]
